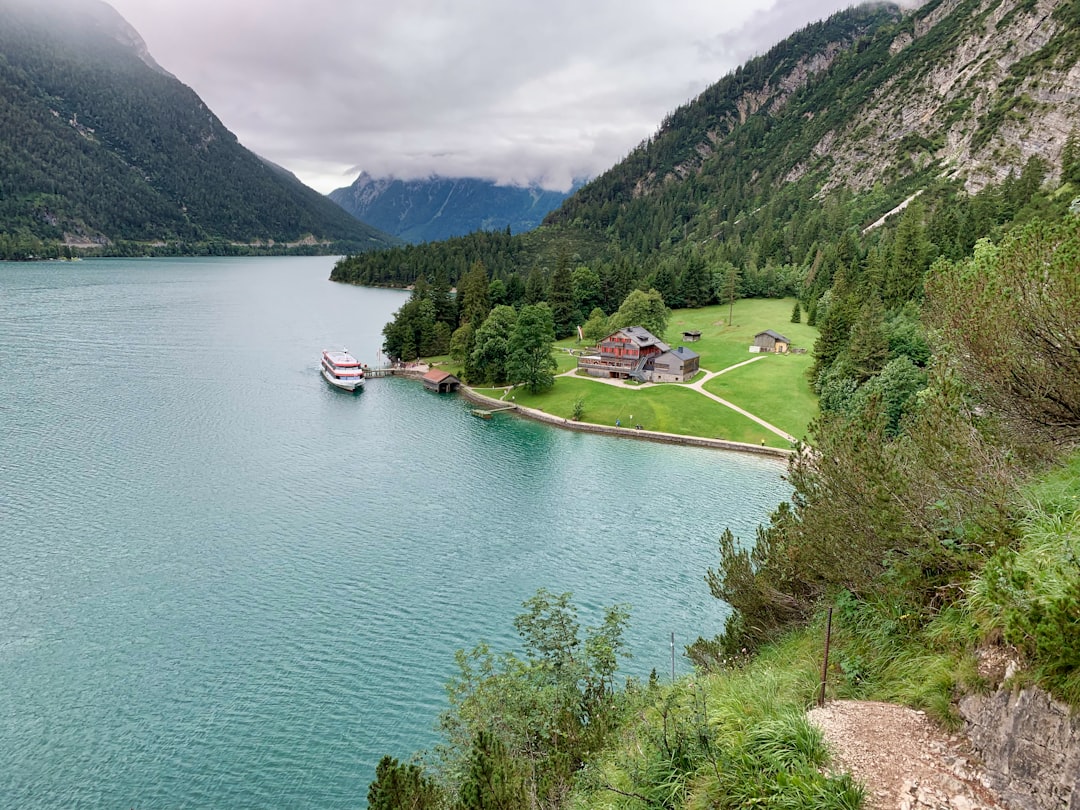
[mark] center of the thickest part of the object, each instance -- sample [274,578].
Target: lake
[225,583]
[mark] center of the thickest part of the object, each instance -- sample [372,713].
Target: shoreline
[629,433]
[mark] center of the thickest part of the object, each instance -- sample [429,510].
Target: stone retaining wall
[632,433]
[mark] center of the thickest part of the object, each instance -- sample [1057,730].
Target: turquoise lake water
[225,584]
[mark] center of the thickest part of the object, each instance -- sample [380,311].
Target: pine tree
[796,314]
[400,786]
[561,298]
[1070,158]
[868,349]
[695,282]
[473,295]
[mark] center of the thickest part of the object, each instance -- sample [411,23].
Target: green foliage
[1030,592]
[597,327]
[892,649]
[1070,159]
[401,786]
[491,347]
[876,514]
[474,290]
[416,330]
[645,309]
[529,359]
[1012,312]
[578,413]
[560,298]
[796,313]
[461,343]
[588,292]
[733,740]
[519,728]
[491,781]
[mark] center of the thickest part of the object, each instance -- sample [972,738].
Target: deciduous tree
[491,346]
[529,359]
[645,309]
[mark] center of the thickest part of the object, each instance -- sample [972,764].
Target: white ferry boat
[342,370]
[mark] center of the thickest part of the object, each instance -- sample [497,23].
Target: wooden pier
[486,414]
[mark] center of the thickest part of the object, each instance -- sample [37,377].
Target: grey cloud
[511,91]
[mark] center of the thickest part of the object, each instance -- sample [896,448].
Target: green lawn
[722,345]
[774,387]
[666,408]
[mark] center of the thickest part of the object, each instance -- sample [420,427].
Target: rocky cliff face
[1031,746]
[977,88]
[969,88]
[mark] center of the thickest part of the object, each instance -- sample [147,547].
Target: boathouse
[442,382]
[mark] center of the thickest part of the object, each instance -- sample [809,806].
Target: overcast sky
[510,90]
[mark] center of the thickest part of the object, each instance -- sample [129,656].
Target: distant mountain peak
[434,208]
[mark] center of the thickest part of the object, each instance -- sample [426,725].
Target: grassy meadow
[773,387]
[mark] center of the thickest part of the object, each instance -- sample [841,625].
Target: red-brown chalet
[623,354]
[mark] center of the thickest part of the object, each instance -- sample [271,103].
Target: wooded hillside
[102,147]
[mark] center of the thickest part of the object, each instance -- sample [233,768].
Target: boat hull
[344,385]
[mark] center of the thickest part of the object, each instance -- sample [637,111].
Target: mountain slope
[868,100]
[439,207]
[101,144]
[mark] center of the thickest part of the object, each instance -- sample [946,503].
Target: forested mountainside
[934,515]
[438,208]
[102,147]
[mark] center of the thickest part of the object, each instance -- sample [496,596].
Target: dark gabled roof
[642,337]
[682,353]
[773,335]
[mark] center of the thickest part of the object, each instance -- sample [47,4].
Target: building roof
[437,375]
[773,335]
[642,337]
[692,332]
[682,353]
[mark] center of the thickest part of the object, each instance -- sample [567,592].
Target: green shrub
[1031,592]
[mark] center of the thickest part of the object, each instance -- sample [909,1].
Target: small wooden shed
[442,382]
[691,336]
[770,341]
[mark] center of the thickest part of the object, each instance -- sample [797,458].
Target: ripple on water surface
[228,584]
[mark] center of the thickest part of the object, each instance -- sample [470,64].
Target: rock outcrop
[1030,744]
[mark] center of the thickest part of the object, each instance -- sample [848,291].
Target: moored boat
[342,370]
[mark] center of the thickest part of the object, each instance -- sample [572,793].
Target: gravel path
[904,760]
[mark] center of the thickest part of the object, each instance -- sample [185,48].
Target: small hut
[441,382]
[770,341]
[691,336]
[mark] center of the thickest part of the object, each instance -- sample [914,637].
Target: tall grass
[1031,593]
[733,739]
